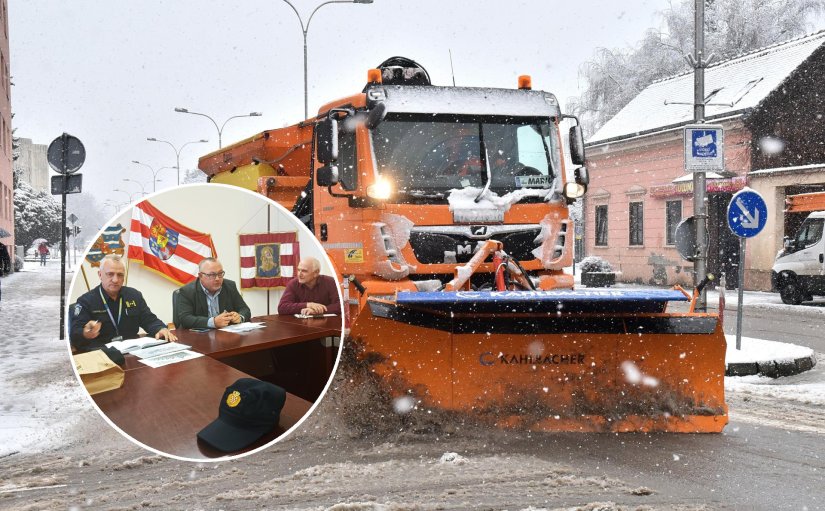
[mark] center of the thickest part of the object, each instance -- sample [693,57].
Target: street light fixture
[222,126]
[305,29]
[131,195]
[177,151]
[142,187]
[115,205]
[154,173]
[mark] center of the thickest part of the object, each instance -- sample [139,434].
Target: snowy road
[58,454]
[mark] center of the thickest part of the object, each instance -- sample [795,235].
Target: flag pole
[268,231]
[83,272]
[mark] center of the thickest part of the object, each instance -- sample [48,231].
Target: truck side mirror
[326,140]
[327,175]
[576,145]
[577,188]
[376,115]
[790,244]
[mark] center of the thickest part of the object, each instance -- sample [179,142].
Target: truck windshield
[428,155]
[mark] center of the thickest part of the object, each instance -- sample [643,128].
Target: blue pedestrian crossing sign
[747,213]
[704,148]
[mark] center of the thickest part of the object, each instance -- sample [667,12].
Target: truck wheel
[790,293]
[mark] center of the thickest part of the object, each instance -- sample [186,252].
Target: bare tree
[615,76]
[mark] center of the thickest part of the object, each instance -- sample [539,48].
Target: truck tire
[790,293]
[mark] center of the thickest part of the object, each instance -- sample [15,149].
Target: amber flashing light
[374,76]
[525,82]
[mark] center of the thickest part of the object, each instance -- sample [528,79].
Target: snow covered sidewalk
[41,397]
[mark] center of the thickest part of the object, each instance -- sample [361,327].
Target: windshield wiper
[420,194]
[486,163]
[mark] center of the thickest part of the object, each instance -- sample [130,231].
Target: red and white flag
[166,246]
[268,259]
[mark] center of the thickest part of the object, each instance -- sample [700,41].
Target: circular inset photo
[205,322]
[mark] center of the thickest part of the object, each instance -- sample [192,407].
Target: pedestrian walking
[5,260]
[5,266]
[43,250]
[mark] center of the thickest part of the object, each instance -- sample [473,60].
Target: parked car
[798,272]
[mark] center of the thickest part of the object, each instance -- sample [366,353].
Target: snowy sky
[111,73]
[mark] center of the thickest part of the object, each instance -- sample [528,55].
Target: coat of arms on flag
[268,259]
[162,244]
[110,241]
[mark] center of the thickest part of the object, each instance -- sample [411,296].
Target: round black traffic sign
[686,241]
[66,154]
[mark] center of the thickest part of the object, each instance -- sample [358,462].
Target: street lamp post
[154,173]
[107,203]
[130,195]
[177,150]
[222,126]
[305,30]
[142,187]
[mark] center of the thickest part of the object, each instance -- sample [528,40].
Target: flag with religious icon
[269,259]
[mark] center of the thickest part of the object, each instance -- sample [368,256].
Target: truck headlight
[381,189]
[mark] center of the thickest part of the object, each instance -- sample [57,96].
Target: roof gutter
[671,127]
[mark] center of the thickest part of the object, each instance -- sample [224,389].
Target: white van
[799,270]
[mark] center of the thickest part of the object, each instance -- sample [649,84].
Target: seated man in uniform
[112,311]
[211,301]
[310,293]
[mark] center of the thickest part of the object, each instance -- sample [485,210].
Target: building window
[637,219]
[601,226]
[674,216]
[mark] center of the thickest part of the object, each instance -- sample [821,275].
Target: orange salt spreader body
[445,213]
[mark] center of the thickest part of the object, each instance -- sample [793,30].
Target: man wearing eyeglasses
[211,301]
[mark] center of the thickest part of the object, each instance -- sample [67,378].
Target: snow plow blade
[611,360]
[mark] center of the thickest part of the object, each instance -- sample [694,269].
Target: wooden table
[278,331]
[331,323]
[164,408]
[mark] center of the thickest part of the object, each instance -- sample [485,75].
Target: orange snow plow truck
[445,213]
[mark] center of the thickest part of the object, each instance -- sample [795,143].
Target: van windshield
[427,155]
[810,233]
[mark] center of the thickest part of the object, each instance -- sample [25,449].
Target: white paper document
[163,349]
[132,345]
[243,327]
[308,316]
[170,358]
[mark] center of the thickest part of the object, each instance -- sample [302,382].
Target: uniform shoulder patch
[77,309]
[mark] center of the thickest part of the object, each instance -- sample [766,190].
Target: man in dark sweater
[310,292]
[211,301]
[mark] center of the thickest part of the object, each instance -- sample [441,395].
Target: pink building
[639,191]
[6,181]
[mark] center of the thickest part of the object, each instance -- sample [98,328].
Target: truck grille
[449,244]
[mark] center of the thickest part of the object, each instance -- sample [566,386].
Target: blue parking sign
[747,213]
[704,143]
[704,148]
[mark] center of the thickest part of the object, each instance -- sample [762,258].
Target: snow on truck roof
[465,100]
[731,87]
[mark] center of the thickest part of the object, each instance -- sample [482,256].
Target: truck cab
[798,272]
[404,182]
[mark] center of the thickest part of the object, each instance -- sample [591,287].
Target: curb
[772,368]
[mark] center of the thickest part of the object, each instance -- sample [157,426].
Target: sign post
[66,155]
[704,152]
[747,215]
